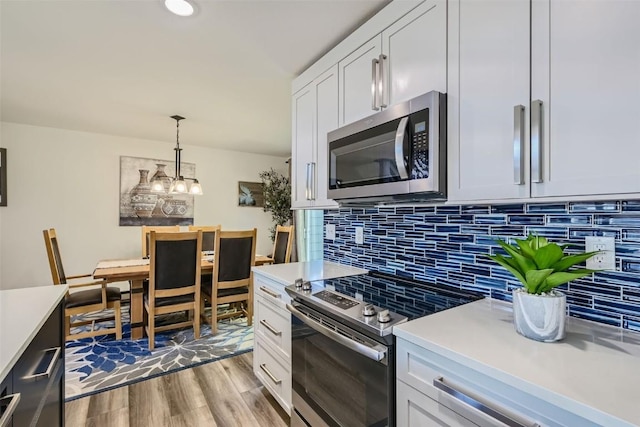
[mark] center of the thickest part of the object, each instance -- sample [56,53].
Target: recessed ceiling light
[179,7]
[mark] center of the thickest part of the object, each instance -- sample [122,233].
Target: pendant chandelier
[178,182]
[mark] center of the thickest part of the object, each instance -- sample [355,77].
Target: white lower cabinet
[272,339]
[432,390]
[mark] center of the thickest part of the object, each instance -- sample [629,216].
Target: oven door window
[369,157]
[343,387]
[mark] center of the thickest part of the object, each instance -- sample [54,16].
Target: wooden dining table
[136,275]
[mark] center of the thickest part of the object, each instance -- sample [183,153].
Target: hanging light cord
[177,149]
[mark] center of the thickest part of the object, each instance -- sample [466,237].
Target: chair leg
[196,321]
[118,313]
[152,331]
[250,310]
[214,315]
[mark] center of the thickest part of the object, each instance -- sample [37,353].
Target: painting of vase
[140,205]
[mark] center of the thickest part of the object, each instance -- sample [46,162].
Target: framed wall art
[250,194]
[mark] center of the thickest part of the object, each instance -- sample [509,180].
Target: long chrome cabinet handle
[518,144]
[377,353]
[307,190]
[314,176]
[269,292]
[382,60]
[13,400]
[399,150]
[536,141]
[269,374]
[52,364]
[271,329]
[471,403]
[374,84]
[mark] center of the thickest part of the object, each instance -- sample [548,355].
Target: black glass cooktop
[405,297]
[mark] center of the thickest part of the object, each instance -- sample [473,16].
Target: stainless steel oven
[399,153]
[342,346]
[340,377]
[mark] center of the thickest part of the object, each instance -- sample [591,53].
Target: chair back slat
[236,258]
[208,235]
[55,259]
[146,244]
[175,260]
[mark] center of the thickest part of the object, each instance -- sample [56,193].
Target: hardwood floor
[223,394]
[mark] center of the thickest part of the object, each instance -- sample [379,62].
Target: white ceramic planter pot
[540,318]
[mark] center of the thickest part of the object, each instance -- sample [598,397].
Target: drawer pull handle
[269,374]
[269,292]
[271,329]
[469,404]
[52,363]
[13,400]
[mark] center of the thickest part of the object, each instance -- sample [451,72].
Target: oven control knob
[384,317]
[306,286]
[298,283]
[368,310]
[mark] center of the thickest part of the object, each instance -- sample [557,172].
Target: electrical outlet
[605,259]
[359,235]
[330,232]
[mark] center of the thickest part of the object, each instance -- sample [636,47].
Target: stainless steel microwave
[395,155]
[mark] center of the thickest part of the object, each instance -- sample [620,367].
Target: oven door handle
[377,353]
[399,150]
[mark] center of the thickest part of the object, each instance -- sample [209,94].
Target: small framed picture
[3,177]
[250,194]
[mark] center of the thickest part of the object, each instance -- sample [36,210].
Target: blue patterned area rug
[97,364]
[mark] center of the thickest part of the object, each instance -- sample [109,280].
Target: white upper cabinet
[357,82]
[407,59]
[415,53]
[586,73]
[543,98]
[315,112]
[488,99]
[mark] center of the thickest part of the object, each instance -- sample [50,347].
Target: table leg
[137,310]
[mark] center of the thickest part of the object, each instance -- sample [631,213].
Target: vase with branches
[277,198]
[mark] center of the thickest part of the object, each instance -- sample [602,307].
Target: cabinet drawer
[271,290]
[418,410]
[274,326]
[39,376]
[423,370]
[273,373]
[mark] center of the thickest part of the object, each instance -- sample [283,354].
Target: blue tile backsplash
[448,245]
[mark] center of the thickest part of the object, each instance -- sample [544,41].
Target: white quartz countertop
[593,372]
[22,314]
[310,270]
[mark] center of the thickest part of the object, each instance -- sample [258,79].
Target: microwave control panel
[419,148]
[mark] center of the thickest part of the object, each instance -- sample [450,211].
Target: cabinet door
[326,88]
[416,51]
[356,82]
[418,410]
[585,70]
[302,148]
[488,77]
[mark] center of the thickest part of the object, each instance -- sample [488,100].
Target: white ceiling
[122,67]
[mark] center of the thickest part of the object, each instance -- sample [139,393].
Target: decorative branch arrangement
[277,198]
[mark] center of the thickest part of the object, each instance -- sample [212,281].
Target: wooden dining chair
[83,301]
[282,244]
[235,253]
[208,235]
[160,229]
[174,280]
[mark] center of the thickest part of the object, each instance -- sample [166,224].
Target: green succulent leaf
[525,248]
[537,242]
[559,278]
[536,278]
[570,260]
[548,255]
[524,264]
[506,263]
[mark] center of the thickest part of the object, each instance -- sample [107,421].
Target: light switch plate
[606,258]
[330,232]
[359,235]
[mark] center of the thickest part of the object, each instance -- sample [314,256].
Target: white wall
[69,180]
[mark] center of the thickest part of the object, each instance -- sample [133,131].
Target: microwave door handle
[402,168]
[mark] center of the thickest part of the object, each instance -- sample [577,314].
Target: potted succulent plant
[541,266]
